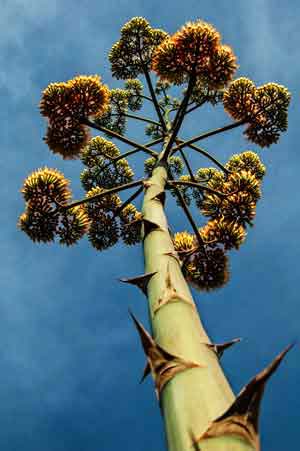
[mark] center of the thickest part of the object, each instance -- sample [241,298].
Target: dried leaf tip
[219,348]
[241,419]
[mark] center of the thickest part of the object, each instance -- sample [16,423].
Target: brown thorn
[140,281]
[158,194]
[160,197]
[146,339]
[148,227]
[219,348]
[147,371]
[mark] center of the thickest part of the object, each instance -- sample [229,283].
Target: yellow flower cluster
[134,90]
[242,191]
[105,228]
[207,271]
[195,50]
[104,231]
[230,234]
[133,52]
[130,225]
[264,109]
[114,116]
[45,192]
[65,104]
[101,169]
[183,241]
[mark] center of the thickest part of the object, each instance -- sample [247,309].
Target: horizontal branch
[208,134]
[116,189]
[128,201]
[139,118]
[196,185]
[125,140]
[133,151]
[207,155]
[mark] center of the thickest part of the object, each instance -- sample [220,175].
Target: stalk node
[173,254]
[171,294]
[160,363]
[158,194]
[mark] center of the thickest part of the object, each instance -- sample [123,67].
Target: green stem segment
[194,397]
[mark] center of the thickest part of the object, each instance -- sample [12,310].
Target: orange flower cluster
[133,52]
[264,109]
[65,104]
[195,50]
[46,191]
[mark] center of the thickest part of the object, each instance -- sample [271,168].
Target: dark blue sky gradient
[70,359]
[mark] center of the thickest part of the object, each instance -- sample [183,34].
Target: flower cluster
[205,268]
[240,190]
[114,118]
[264,109]
[104,231]
[183,189]
[109,221]
[247,161]
[134,90]
[154,131]
[65,104]
[195,50]
[205,264]
[208,270]
[132,54]
[183,242]
[201,94]
[102,166]
[46,193]
[130,225]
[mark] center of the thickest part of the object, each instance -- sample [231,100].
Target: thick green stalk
[195,396]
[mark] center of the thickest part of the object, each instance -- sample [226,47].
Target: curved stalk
[196,396]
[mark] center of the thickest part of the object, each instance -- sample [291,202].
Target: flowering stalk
[198,406]
[195,396]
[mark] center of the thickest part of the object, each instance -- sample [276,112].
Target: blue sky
[70,359]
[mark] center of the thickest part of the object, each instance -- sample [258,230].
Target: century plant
[182,72]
